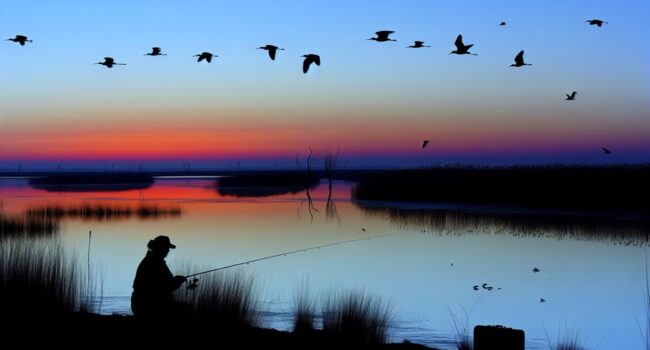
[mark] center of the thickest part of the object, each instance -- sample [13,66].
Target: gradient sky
[374,101]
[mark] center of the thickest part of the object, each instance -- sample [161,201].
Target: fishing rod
[292,252]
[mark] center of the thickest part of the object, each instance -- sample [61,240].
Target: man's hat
[161,242]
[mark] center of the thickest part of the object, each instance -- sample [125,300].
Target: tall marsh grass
[304,314]
[568,340]
[229,299]
[357,316]
[462,331]
[39,278]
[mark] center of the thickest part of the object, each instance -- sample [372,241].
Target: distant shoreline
[612,189]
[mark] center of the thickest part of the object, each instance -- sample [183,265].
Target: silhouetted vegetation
[40,279]
[620,188]
[92,182]
[356,316]
[569,340]
[462,331]
[460,222]
[304,315]
[264,184]
[227,299]
[89,212]
[25,225]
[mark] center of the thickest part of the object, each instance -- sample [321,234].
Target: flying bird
[109,62]
[205,56]
[462,49]
[519,60]
[536,270]
[598,22]
[417,44]
[425,143]
[155,51]
[272,49]
[502,23]
[309,59]
[571,97]
[606,151]
[382,36]
[19,39]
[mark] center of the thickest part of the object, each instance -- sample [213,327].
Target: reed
[40,279]
[229,299]
[356,316]
[304,314]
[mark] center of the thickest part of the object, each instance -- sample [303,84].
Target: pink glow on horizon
[282,139]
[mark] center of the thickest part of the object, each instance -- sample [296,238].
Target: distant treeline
[262,184]
[622,188]
[92,182]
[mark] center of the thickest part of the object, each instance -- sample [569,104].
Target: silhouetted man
[154,284]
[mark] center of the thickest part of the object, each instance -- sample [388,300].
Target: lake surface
[592,272]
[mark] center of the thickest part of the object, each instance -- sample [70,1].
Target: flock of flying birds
[381,36]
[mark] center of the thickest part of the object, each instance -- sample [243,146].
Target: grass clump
[227,299]
[356,316]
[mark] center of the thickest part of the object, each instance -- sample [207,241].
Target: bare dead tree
[330,166]
[311,208]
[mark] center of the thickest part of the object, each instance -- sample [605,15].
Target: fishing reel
[193,284]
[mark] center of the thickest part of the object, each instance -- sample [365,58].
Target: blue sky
[50,86]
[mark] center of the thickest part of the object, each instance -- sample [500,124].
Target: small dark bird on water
[417,44]
[606,151]
[382,36]
[272,49]
[462,49]
[109,62]
[19,39]
[309,59]
[571,97]
[502,23]
[155,51]
[541,300]
[597,22]
[363,229]
[425,143]
[519,60]
[205,56]
[535,270]
[476,287]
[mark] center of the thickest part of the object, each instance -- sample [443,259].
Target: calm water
[592,286]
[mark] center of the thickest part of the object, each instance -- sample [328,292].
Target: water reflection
[624,231]
[266,184]
[43,221]
[24,225]
[582,280]
[97,212]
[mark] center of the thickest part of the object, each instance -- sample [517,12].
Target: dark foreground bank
[125,331]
